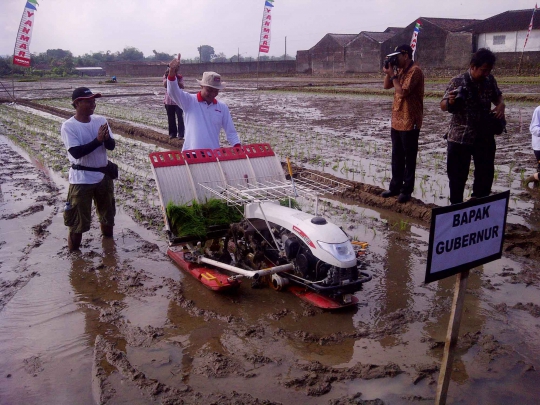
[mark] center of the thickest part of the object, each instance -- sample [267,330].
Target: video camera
[461,94]
[391,60]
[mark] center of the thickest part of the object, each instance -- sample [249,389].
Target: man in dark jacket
[468,98]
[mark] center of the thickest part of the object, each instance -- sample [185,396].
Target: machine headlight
[343,252]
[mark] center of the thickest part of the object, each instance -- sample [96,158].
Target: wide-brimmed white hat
[211,79]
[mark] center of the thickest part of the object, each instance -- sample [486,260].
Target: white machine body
[326,240]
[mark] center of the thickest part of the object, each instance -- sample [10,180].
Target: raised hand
[174,65]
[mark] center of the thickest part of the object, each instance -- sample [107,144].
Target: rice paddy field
[118,322]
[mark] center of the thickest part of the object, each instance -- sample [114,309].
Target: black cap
[83,92]
[405,49]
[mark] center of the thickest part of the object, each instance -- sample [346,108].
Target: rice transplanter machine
[290,249]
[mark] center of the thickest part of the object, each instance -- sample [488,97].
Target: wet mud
[118,322]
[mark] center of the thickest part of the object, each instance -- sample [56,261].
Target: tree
[58,54]
[161,56]
[220,57]
[68,64]
[130,53]
[282,57]
[5,67]
[206,52]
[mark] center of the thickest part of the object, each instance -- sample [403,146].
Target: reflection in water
[92,279]
[533,216]
[397,282]
[472,321]
[268,318]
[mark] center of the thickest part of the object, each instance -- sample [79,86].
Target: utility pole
[238,55]
[285,48]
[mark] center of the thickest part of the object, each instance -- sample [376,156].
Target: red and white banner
[21,53]
[414,38]
[264,42]
[530,26]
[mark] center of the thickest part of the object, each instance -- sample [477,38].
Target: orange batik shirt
[408,108]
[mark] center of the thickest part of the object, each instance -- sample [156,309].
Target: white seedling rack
[238,175]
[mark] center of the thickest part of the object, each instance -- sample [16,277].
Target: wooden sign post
[451,337]
[461,237]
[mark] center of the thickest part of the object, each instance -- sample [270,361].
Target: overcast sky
[228,26]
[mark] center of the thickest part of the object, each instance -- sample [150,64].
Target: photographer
[407,79]
[473,126]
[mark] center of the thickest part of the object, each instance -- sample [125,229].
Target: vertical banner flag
[264,43]
[530,25]
[21,53]
[414,38]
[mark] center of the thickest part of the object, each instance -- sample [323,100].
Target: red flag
[530,26]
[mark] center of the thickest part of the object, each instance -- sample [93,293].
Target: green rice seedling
[289,202]
[423,189]
[195,219]
[403,225]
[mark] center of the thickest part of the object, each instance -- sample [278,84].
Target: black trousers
[404,151]
[174,112]
[537,154]
[457,167]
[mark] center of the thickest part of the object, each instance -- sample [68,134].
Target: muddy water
[119,323]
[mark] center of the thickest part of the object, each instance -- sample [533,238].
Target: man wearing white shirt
[535,133]
[87,138]
[204,115]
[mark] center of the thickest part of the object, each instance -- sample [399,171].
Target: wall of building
[458,49]
[120,69]
[510,61]
[511,41]
[430,48]
[91,72]
[303,62]
[327,57]
[363,55]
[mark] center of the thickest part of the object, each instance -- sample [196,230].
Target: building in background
[363,53]
[90,71]
[443,43]
[505,35]
[328,55]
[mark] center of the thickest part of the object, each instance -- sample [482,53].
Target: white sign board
[466,235]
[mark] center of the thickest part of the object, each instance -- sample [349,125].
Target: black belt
[90,169]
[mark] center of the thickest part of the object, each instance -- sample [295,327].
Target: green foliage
[5,67]
[162,56]
[58,54]
[285,203]
[195,219]
[131,53]
[206,52]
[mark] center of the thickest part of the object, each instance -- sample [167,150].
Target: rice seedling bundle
[195,219]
